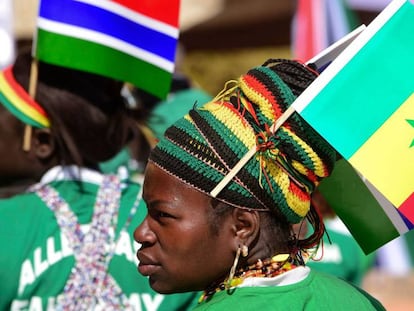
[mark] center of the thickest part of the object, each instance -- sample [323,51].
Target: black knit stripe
[198,148]
[214,139]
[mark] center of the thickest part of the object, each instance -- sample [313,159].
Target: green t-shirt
[317,291]
[35,261]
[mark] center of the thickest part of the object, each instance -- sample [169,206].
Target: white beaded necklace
[89,285]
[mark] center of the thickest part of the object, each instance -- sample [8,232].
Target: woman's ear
[43,143]
[247,224]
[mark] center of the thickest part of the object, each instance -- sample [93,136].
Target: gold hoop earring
[233,268]
[244,250]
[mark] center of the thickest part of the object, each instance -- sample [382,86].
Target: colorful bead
[266,268]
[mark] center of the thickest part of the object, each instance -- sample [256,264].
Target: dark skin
[180,251]
[18,168]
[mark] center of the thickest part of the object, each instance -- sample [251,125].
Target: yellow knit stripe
[281,178]
[266,107]
[234,122]
[319,167]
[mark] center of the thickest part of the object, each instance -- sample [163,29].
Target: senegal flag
[128,40]
[363,105]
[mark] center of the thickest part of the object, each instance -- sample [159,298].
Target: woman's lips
[147,270]
[146,265]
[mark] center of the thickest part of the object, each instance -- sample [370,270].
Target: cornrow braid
[201,148]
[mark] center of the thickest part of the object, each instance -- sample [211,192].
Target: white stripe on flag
[330,53]
[388,208]
[136,17]
[99,38]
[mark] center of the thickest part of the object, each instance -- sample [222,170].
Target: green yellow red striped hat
[201,148]
[14,97]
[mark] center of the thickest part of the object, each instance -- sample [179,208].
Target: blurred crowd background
[221,39]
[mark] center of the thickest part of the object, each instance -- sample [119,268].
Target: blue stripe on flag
[100,20]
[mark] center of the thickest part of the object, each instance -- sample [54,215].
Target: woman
[238,246]
[66,229]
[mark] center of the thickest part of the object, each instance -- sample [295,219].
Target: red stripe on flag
[407,208]
[166,11]
[305,33]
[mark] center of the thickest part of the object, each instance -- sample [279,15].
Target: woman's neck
[266,268]
[9,189]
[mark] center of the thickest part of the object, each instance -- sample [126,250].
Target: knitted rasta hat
[201,148]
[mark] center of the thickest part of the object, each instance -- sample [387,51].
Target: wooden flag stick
[32,92]
[223,183]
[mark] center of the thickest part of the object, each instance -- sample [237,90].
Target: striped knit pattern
[201,148]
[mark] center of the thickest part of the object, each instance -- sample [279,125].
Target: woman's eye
[163,214]
[160,214]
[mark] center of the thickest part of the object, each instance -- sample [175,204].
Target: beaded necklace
[266,268]
[93,251]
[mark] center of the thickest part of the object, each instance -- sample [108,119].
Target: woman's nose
[143,233]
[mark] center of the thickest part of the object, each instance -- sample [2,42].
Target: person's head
[190,238]
[75,118]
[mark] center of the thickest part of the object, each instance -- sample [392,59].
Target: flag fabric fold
[319,23]
[132,41]
[351,197]
[363,105]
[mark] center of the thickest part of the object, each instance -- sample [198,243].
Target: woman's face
[179,250]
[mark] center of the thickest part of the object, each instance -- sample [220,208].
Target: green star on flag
[411,122]
[362,113]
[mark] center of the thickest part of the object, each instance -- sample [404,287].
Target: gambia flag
[363,105]
[128,40]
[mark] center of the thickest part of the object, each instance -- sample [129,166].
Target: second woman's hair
[86,111]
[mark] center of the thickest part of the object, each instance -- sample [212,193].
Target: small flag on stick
[363,105]
[132,41]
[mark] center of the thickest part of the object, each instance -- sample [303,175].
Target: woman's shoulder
[21,216]
[13,204]
[316,290]
[337,289]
